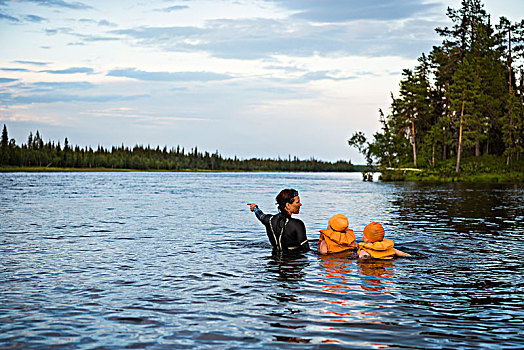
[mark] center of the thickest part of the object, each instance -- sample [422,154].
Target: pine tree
[511,36]
[444,63]
[412,110]
[465,96]
[455,96]
[4,147]
[5,138]
[30,140]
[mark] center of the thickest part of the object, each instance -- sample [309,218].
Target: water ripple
[162,260]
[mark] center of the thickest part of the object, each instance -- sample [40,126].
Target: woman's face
[294,208]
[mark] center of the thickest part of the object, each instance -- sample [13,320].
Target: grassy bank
[486,169]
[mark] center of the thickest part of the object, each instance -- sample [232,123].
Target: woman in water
[285,233]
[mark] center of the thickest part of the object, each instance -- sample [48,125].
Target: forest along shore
[459,113]
[37,155]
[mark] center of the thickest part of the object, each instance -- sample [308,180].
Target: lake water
[177,260]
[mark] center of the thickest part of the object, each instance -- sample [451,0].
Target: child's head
[338,222]
[373,232]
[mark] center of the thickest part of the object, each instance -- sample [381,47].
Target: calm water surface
[176,260]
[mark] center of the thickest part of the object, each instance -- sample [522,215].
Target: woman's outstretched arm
[264,218]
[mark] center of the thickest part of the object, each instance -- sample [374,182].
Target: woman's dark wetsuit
[286,234]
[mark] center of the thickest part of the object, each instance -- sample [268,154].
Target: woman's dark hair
[285,196]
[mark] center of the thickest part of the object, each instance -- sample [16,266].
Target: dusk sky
[251,78]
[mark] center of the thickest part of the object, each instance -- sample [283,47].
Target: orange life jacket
[379,250]
[337,241]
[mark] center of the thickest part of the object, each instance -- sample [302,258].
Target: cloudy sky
[251,78]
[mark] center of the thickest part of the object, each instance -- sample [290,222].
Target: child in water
[337,237]
[375,245]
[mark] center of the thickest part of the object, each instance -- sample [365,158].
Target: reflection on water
[290,271]
[175,260]
[378,273]
[350,281]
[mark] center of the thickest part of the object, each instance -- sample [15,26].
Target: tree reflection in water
[288,271]
[359,291]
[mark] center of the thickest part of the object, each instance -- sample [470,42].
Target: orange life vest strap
[379,250]
[337,241]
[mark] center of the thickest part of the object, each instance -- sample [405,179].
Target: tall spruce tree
[5,138]
[511,41]
[4,144]
[465,97]
[412,110]
[444,61]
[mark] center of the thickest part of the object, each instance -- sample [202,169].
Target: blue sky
[251,78]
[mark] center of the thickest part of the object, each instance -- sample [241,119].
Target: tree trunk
[477,149]
[510,132]
[433,156]
[510,93]
[509,61]
[460,139]
[414,146]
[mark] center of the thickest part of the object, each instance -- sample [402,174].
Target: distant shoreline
[13,169]
[38,156]
[389,175]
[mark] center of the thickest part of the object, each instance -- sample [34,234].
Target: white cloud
[237,76]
